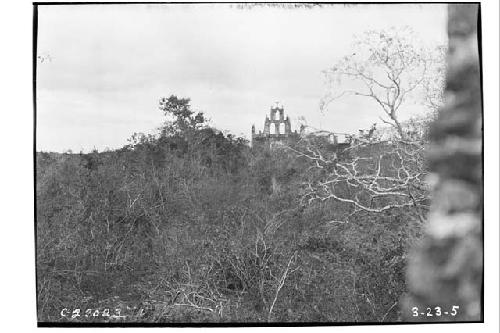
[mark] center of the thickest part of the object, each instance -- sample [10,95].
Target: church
[277,129]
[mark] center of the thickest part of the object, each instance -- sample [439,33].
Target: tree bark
[446,270]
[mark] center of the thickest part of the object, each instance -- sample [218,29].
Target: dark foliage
[195,226]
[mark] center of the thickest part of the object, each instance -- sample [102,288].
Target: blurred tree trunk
[275,186]
[447,268]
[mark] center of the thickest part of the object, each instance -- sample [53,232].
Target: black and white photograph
[258,164]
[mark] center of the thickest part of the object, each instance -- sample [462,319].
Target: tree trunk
[446,270]
[399,128]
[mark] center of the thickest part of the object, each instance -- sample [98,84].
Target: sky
[105,67]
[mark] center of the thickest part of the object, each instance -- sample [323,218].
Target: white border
[17,297]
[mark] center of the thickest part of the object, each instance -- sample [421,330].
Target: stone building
[277,129]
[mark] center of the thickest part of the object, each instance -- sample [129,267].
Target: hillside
[195,226]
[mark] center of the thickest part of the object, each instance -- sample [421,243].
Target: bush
[194,226]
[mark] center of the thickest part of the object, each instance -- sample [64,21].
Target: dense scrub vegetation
[193,225]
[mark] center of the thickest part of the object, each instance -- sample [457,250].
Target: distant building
[415,129]
[277,130]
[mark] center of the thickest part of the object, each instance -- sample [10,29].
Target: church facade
[277,130]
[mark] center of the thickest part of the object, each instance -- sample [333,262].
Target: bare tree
[372,177]
[388,67]
[433,83]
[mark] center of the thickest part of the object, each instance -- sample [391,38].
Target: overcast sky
[106,66]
